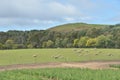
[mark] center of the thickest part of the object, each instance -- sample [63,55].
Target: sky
[43,14]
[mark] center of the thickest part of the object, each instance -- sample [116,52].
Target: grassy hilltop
[76,27]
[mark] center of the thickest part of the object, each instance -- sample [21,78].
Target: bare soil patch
[90,65]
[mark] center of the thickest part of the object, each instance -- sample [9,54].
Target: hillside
[77,35]
[75,27]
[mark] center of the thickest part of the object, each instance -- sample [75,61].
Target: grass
[76,27]
[60,74]
[25,56]
[115,65]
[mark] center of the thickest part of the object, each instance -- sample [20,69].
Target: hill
[75,27]
[77,35]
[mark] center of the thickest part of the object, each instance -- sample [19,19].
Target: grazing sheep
[35,58]
[78,51]
[34,55]
[96,54]
[81,50]
[56,56]
[110,55]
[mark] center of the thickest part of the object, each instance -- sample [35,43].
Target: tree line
[103,37]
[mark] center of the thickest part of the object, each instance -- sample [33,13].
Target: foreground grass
[60,74]
[26,56]
[115,65]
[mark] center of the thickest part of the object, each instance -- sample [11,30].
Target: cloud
[27,12]
[48,12]
[85,4]
[69,19]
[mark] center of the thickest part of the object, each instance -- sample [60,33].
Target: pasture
[60,74]
[28,56]
[34,56]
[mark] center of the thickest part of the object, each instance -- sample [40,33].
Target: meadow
[60,74]
[27,56]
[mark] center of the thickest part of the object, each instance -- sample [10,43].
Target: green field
[26,56]
[60,74]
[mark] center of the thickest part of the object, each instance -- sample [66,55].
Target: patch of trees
[104,37]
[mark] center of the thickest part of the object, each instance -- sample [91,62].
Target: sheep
[34,56]
[110,55]
[87,51]
[96,54]
[56,56]
[78,51]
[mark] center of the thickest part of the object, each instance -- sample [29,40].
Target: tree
[75,43]
[81,33]
[49,44]
[91,42]
[82,42]
[94,32]
[117,24]
[69,45]
[106,37]
[1,46]
[3,37]
[117,40]
[64,42]
[58,42]
[9,44]
[44,44]
[102,41]
[19,46]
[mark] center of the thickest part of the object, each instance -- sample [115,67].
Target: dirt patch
[90,65]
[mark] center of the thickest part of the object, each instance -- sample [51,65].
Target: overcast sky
[42,14]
